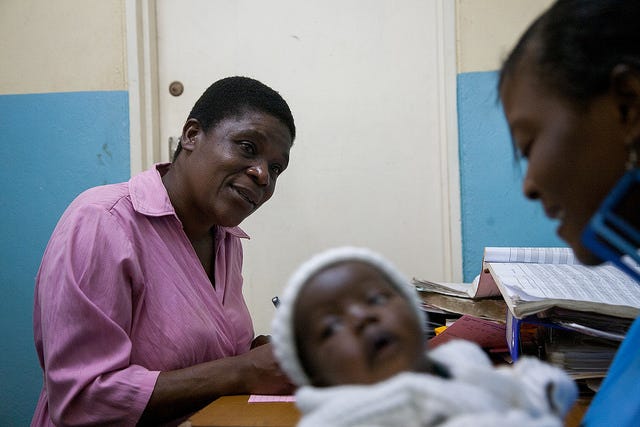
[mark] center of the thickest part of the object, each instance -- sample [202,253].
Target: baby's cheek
[343,365]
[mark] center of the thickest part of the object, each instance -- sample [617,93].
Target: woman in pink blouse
[139,316]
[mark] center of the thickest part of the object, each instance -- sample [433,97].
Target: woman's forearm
[181,392]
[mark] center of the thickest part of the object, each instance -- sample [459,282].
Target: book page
[494,309]
[484,286]
[533,282]
[530,255]
[445,288]
[262,398]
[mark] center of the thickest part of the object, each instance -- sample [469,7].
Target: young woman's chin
[584,255]
[571,233]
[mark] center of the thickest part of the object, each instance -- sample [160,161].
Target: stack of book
[572,315]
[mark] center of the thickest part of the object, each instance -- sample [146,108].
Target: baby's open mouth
[379,343]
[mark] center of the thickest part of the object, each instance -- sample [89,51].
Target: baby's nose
[360,315]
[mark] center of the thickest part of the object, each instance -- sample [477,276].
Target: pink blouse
[121,295]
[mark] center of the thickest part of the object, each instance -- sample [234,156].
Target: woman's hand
[260,340]
[263,374]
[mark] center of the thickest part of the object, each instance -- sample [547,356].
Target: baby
[350,332]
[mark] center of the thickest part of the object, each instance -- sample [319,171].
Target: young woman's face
[233,167]
[574,157]
[353,327]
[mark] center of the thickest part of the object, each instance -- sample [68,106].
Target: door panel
[369,166]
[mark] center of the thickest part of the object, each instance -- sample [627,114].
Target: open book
[532,280]
[483,286]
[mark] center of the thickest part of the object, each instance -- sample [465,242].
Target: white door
[374,163]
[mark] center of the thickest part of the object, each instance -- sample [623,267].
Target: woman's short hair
[233,96]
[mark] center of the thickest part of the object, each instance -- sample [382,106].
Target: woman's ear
[190,132]
[625,83]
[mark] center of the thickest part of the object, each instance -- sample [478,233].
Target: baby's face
[353,327]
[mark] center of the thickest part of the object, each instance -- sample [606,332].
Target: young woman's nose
[260,173]
[530,189]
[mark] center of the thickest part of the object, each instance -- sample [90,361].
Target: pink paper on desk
[486,333]
[262,398]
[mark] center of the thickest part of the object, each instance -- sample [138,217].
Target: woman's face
[232,169]
[574,156]
[353,327]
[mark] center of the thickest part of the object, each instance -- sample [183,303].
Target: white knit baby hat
[283,337]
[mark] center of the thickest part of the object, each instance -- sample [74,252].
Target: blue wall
[53,146]
[493,210]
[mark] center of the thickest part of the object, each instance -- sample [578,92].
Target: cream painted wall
[488,29]
[73,45]
[62,46]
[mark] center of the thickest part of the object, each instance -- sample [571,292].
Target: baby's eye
[329,328]
[378,298]
[277,169]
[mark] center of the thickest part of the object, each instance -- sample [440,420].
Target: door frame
[144,129]
[448,117]
[142,81]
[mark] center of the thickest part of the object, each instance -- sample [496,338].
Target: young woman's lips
[554,212]
[557,214]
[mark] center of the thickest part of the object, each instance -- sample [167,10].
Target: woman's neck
[193,226]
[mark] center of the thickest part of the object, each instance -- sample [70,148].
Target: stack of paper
[549,281]
[581,313]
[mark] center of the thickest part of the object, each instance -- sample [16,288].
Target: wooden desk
[576,413]
[236,411]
